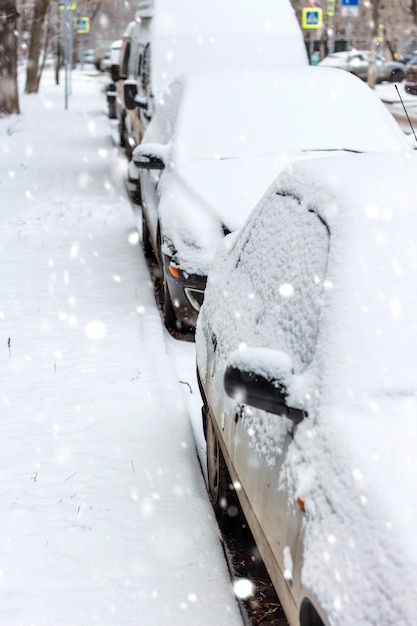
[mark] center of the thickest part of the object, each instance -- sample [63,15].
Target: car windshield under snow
[247,118]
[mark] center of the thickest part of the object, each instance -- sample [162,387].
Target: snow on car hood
[203,200]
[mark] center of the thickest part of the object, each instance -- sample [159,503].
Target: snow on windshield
[243,114]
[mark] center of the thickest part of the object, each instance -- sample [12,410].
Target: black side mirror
[247,387]
[142,103]
[130,90]
[148,162]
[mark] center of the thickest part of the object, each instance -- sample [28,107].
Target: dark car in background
[410,84]
[357,62]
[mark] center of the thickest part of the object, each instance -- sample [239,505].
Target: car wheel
[222,495]
[168,312]
[112,108]
[122,138]
[146,244]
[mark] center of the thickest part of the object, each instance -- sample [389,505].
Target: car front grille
[195,297]
[412,75]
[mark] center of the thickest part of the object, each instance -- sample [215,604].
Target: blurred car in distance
[200,174]
[410,84]
[161,44]
[105,62]
[306,346]
[89,56]
[357,62]
[47,60]
[113,68]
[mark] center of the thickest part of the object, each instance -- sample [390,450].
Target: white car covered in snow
[217,141]
[306,352]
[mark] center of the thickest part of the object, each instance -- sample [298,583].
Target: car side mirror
[141,102]
[151,156]
[130,91]
[148,162]
[259,377]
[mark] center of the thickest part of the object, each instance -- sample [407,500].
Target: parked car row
[167,39]
[199,182]
[268,203]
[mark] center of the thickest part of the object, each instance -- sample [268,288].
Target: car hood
[356,473]
[203,200]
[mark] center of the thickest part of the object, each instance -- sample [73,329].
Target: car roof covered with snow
[195,34]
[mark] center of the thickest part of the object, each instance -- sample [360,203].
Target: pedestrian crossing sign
[312,18]
[83,25]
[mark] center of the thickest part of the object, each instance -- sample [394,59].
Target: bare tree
[9,98]
[413,11]
[33,74]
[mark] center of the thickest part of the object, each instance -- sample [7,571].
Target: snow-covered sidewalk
[104,514]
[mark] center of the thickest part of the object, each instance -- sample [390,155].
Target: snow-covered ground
[104,513]
[392,94]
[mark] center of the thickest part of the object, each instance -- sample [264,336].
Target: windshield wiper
[332,150]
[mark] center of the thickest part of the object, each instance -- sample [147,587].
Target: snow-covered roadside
[391,95]
[104,514]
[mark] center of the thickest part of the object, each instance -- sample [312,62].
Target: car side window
[287,278]
[125,60]
[167,109]
[145,68]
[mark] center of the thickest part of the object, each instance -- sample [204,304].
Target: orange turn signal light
[174,271]
[301,504]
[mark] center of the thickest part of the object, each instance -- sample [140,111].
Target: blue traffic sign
[312,18]
[350,3]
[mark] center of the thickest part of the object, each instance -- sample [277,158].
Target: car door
[358,65]
[281,266]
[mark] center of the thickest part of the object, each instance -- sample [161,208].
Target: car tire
[168,311]
[112,108]
[122,137]
[146,244]
[221,493]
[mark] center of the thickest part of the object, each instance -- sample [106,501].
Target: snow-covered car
[113,67]
[89,56]
[306,345]
[105,62]
[357,62]
[216,142]
[168,39]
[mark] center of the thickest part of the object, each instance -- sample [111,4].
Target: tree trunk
[9,98]
[375,18]
[413,10]
[35,46]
